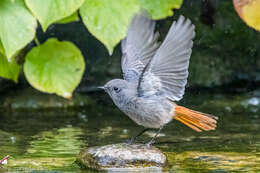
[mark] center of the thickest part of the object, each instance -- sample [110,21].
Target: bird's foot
[149,144]
[130,141]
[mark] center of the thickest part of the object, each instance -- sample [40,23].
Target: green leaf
[2,51]
[50,11]
[160,8]
[9,70]
[17,26]
[108,20]
[72,18]
[55,67]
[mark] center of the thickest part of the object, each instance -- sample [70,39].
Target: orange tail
[196,120]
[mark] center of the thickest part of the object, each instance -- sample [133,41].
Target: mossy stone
[122,157]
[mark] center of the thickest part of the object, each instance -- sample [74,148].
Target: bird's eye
[116,89]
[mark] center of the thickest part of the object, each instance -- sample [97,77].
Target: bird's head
[119,90]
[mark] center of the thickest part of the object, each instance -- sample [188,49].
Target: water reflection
[50,140]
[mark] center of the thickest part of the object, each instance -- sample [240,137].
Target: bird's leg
[148,144]
[133,139]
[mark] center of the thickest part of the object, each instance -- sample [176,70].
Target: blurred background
[45,132]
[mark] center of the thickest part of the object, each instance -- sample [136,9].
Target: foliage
[72,18]
[2,51]
[51,11]
[11,69]
[249,11]
[160,8]
[54,71]
[57,67]
[17,26]
[108,20]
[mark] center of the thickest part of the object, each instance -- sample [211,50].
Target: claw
[149,144]
[130,141]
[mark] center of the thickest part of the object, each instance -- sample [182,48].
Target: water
[50,140]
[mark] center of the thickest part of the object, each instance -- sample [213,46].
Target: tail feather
[198,121]
[188,124]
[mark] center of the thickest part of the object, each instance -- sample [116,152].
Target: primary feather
[138,47]
[167,72]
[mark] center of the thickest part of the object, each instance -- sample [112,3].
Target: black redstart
[155,76]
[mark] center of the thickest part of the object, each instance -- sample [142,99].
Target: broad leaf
[160,8]
[50,11]
[9,70]
[2,51]
[55,67]
[249,11]
[17,26]
[72,18]
[108,20]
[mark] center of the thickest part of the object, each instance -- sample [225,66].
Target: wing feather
[169,66]
[138,47]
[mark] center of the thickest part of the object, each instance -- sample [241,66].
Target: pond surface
[49,140]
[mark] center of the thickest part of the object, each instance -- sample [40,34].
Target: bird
[155,75]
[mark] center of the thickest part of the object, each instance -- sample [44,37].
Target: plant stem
[37,41]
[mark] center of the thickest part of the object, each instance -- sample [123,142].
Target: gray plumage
[154,75]
[168,69]
[138,47]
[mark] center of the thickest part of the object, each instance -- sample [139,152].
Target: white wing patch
[153,84]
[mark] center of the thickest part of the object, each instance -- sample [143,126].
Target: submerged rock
[123,157]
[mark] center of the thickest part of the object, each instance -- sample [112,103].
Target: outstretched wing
[167,72]
[138,47]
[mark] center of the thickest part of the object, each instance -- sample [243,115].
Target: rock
[122,157]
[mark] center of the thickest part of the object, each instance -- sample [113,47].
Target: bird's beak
[101,87]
